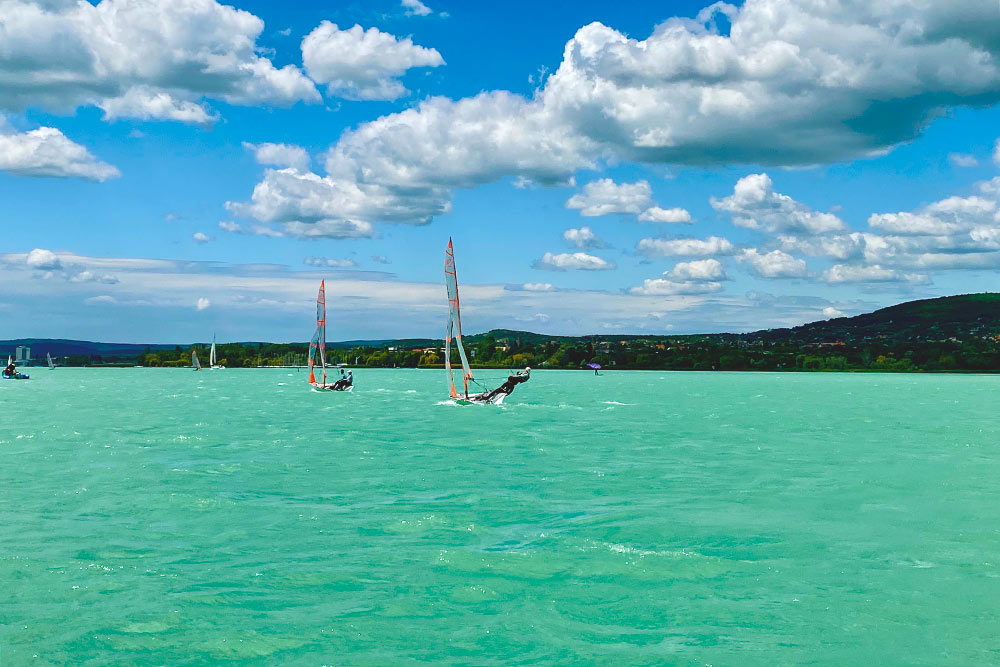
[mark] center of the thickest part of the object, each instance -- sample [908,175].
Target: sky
[173,171]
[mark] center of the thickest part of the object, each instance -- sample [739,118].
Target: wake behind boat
[454,331]
[317,348]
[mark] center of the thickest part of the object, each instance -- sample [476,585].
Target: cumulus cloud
[774,264]
[48,152]
[712,246]
[583,238]
[361,64]
[104,299]
[830,312]
[43,260]
[330,262]
[963,160]
[201,237]
[415,8]
[701,270]
[232,227]
[538,287]
[657,214]
[604,196]
[91,277]
[794,82]
[696,277]
[756,205]
[150,60]
[280,155]
[840,273]
[572,261]
[202,304]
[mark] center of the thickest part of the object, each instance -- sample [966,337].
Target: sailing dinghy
[15,375]
[213,363]
[195,364]
[454,333]
[48,357]
[317,348]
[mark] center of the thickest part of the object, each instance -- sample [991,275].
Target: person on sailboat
[345,381]
[11,370]
[508,386]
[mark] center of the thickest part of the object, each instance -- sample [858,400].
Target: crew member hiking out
[508,386]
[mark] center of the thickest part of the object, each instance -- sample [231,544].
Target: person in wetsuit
[345,381]
[10,371]
[508,386]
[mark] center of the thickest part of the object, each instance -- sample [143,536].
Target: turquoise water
[164,517]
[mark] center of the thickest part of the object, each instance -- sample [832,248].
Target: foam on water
[148,516]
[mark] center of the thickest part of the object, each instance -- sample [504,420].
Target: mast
[454,322]
[318,342]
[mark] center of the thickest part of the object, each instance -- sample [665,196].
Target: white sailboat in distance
[195,364]
[213,363]
[48,357]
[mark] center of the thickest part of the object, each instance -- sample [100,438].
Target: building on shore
[22,354]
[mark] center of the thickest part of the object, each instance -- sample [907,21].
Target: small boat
[15,375]
[454,332]
[48,357]
[213,363]
[317,348]
[195,364]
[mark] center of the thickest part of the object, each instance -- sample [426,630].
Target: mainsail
[48,356]
[454,322]
[211,355]
[194,361]
[318,342]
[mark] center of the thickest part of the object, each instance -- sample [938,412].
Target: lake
[162,516]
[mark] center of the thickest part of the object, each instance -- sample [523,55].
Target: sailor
[344,382]
[508,386]
[350,378]
[11,370]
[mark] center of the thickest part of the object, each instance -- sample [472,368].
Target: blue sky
[173,171]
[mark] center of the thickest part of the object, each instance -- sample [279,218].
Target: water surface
[160,516]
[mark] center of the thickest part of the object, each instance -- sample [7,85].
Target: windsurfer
[507,387]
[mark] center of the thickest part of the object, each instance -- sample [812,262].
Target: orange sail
[317,346]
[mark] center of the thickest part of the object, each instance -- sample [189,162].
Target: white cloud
[604,196]
[232,227]
[139,59]
[793,83]
[712,246]
[842,273]
[583,238]
[836,246]
[91,277]
[200,237]
[330,262]
[574,261]
[700,269]
[202,303]
[43,260]
[963,160]
[415,8]
[657,214]
[830,312]
[380,259]
[774,264]
[996,153]
[697,277]
[47,152]
[361,64]
[538,287]
[280,155]
[756,205]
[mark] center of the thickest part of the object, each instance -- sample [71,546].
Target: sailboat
[16,375]
[213,363]
[453,332]
[194,361]
[48,357]
[317,347]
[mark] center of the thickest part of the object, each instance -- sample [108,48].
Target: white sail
[454,328]
[194,361]
[48,356]
[211,355]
